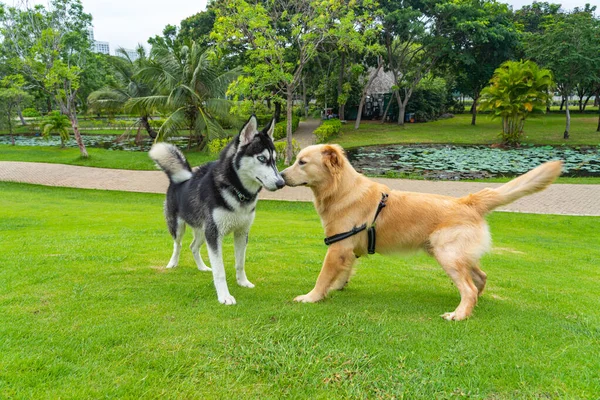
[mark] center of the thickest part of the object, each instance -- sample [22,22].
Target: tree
[281,38]
[517,89]
[190,86]
[51,47]
[568,45]
[128,85]
[13,96]
[481,35]
[55,122]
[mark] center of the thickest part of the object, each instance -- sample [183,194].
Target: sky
[125,23]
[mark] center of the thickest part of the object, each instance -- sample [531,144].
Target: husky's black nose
[280,183]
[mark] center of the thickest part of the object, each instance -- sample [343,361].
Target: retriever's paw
[307,298]
[245,283]
[228,300]
[454,316]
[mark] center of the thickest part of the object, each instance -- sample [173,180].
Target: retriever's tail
[533,181]
[171,161]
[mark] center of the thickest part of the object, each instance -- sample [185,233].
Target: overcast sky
[126,23]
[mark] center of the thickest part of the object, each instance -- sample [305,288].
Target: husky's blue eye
[262,158]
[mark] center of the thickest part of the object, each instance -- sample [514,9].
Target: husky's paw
[245,283]
[203,268]
[171,264]
[307,298]
[454,316]
[228,300]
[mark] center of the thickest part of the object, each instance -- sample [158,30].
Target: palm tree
[127,86]
[192,87]
[517,89]
[55,122]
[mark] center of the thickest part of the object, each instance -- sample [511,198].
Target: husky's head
[255,159]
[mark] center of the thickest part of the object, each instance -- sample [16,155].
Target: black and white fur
[219,198]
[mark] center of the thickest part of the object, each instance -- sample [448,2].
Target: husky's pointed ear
[333,157]
[249,131]
[271,129]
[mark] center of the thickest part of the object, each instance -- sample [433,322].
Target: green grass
[546,129]
[88,311]
[100,158]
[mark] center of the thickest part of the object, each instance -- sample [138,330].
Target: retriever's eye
[262,159]
[301,162]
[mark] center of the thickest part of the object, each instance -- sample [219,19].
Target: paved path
[565,199]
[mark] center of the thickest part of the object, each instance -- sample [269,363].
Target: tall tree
[282,37]
[12,96]
[568,45]
[481,36]
[51,48]
[191,86]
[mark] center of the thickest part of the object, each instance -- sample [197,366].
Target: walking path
[567,199]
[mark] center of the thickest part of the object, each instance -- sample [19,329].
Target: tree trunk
[401,109]
[277,114]
[304,102]
[474,109]
[364,94]
[562,103]
[586,102]
[568,127]
[340,87]
[387,108]
[23,122]
[144,122]
[75,125]
[598,128]
[289,155]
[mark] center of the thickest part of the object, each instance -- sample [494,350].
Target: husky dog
[219,198]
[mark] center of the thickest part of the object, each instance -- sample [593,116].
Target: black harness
[355,230]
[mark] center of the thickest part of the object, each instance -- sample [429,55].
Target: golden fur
[452,230]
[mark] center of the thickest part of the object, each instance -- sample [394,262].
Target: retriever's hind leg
[458,267]
[178,230]
[479,278]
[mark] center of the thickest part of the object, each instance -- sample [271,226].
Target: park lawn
[539,130]
[101,158]
[87,310]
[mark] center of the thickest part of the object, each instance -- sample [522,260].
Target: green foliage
[517,89]
[280,147]
[55,122]
[429,100]
[31,113]
[215,146]
[327,130]
[280,127]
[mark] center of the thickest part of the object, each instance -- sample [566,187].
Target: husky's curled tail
[171,161]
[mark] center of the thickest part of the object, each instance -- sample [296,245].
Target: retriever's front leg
[338,261]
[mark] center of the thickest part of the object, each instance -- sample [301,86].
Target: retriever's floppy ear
[333,157]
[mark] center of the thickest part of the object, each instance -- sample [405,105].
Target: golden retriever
[452,230]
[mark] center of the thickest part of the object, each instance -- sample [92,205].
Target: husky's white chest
[240,219]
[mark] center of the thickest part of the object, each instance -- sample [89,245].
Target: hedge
[328,129]
[281,127]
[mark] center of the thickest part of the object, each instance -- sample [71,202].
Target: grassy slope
[87,310]
[547,129]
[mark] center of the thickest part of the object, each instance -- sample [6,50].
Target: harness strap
[371,236]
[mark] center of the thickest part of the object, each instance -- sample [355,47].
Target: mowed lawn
[545,129]
[87,310]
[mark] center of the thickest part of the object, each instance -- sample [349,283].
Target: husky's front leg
[214,242]
[240,241]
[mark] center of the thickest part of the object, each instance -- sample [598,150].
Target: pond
[470,162]
[109,142]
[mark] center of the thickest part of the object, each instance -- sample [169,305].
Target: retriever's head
[316,166]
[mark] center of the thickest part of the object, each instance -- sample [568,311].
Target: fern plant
[517,89]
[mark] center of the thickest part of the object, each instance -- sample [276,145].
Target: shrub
[327,130]
[31,113]
[280,127]
[280,147]
[215,146]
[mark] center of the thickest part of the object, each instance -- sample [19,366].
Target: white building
[101,47]
[132,54]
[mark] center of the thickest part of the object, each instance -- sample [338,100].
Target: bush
[215,146]
[327,130]
[31,113]
[280,148]
[281,127]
